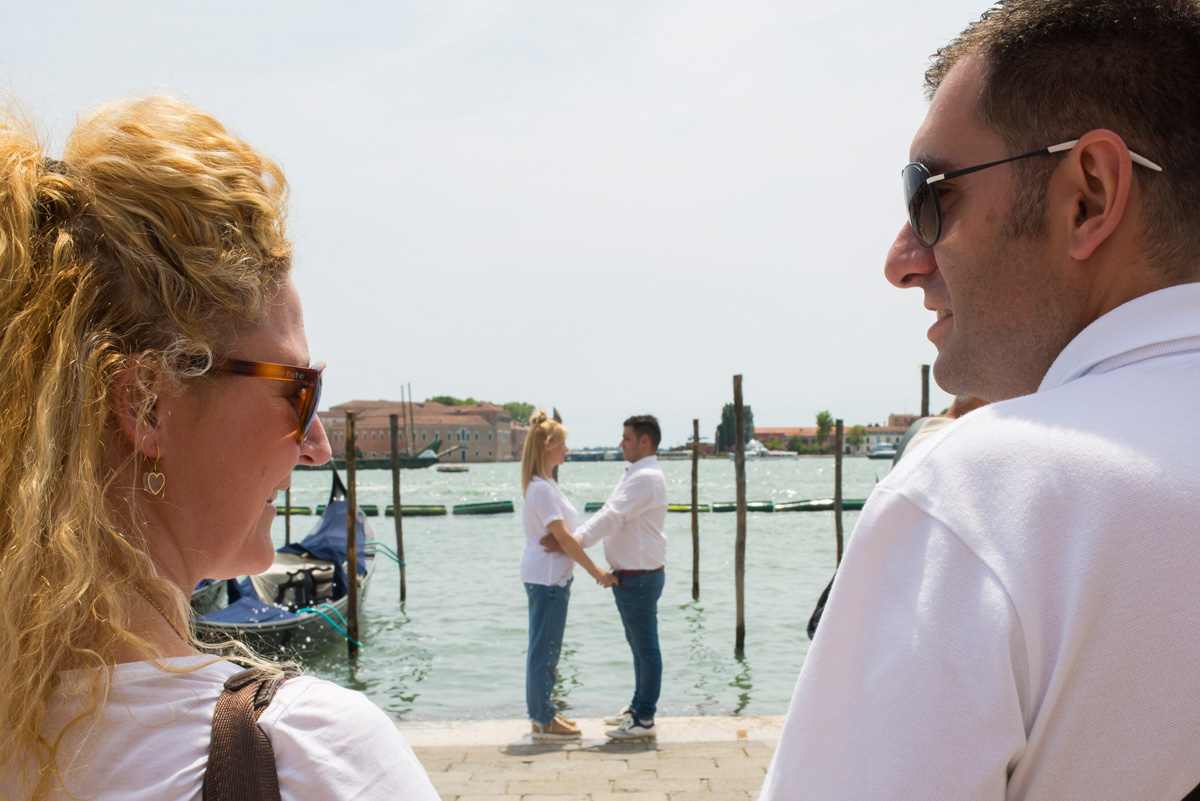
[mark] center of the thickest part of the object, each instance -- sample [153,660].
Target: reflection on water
[456,647]
[741,682]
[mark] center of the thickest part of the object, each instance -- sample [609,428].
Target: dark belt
[624,573]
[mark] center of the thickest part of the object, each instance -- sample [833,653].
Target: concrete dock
[693,759]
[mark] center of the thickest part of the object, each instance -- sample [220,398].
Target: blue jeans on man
[637,600]
[547,622]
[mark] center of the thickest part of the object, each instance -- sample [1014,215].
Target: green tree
[450,400]
[856,436]
[726,431]
[824,426]
[520,412]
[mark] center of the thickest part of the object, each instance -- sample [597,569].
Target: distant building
[874,435]
[479,432]
[783,436]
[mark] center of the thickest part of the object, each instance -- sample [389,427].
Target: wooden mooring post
[287,516]
[558,419]
[695,510]
[838,445]
[351,541]
[924,390]
[739,554]
[396,515]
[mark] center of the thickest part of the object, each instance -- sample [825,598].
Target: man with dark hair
[631,525]
[1015,615]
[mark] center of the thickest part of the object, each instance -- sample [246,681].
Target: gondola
[300,603]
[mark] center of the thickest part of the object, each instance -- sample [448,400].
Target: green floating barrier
[294,510]
[417,510]
[751,506]
[369,509]
[686,507]
[489,508]
[821,505]
[593,506]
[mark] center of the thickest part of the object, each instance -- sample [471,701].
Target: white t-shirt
[151,742]
[545,503]
[1018,613]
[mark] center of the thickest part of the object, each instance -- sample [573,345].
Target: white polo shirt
[1018,612]
[631,521]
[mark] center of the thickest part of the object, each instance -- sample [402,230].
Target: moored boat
[299,603]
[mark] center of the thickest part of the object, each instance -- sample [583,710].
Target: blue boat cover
[328,540]
[248,610]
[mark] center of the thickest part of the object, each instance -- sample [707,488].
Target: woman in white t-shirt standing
[547,576]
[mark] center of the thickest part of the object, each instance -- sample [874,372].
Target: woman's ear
[135,399]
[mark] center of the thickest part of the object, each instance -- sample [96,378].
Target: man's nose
[908,260]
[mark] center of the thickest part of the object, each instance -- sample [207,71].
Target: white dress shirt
[631,522]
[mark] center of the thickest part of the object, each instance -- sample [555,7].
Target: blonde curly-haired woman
[155,395]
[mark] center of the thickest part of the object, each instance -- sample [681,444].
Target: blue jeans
[637,601]
[547,621]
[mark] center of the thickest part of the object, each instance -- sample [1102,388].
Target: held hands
[605,579]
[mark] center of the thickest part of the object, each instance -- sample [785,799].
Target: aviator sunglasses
[308,377]
[921,196]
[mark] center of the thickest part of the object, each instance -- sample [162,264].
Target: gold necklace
[161,611]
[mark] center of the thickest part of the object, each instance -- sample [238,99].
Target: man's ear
[135,397]
[1099,178]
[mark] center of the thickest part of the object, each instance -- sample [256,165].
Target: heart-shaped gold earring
[154,481]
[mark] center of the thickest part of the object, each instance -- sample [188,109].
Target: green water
[456,648]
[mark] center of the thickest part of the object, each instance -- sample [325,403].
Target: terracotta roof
[770,431]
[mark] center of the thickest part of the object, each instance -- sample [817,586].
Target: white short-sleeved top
[545,503]
[151,740]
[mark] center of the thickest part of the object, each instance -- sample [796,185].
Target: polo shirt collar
[1157,324]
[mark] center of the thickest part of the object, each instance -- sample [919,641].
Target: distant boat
[884,450]
[425,458]
[756,450]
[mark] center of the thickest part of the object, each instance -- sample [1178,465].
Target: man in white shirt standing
[1016,613]
[631,525]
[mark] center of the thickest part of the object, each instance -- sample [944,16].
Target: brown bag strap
[241,762]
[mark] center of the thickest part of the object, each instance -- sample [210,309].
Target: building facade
[480,432]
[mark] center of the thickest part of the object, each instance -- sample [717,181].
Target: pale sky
[609,207]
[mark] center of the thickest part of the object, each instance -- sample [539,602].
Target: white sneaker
[619,718]
[633,729]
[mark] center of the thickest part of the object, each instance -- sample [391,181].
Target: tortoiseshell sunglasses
[308,377]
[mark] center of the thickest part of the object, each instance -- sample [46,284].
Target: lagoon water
[456,648]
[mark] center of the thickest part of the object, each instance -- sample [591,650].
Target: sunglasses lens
[921,202]
[308,406]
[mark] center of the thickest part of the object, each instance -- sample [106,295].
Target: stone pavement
[694,759]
